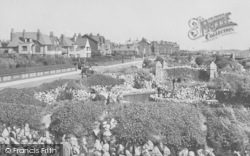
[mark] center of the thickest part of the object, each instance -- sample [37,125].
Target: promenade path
[27,83]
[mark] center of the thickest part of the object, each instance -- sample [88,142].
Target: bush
[75,115]
[19,114]
[138,122]
[221,62]
[228,128]
[199,60]
[103,80]
[20,96]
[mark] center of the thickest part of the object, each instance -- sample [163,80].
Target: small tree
[199,60]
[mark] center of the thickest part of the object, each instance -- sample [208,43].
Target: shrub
[228,128]
[138,122]
[20,96]
[73,115]
[199,60]
[19,114]
[221,61]
[103,80]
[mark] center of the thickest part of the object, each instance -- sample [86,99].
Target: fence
[7,75]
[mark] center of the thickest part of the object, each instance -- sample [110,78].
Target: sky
[120,20]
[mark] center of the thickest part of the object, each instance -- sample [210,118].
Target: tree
[199,60]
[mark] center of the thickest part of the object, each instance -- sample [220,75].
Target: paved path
[34,82]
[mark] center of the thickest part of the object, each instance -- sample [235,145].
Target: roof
[53,39]
[126,48]
[18,36]
[81,41]
[98,38]
[15,42]
[66,42]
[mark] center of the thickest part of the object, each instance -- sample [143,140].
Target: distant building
[164,47]
[75,47]
[101,43]
[108,47]
[32,43]
[93,45]
[125,49]
[144,47]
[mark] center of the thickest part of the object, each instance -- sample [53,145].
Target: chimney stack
[51,34]
[12,34]
[74,37]
[79,35]
[38,35]
[23,33]
[62,36]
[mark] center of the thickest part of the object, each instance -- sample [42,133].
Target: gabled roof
[53,39]
[81,41]
[87,36]
[66,41]
[98,38]
[15,42]
[44,39]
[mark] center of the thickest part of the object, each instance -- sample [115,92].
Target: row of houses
[82,45]
[77,46]
[146,47]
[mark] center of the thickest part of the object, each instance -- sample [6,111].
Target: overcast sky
[119,20]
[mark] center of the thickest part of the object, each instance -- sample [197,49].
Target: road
[34,82]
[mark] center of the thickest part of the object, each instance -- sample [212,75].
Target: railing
[31,72]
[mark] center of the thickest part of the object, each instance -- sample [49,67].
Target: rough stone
[166,151]
[120,149]
[106,154]
[105,147]
[183,152]
[128,153]
[145,153]
[98,145]
[191,153]
[138,151]
[149,145]
[200,152]
[156,152]
[5,133]
[107,133]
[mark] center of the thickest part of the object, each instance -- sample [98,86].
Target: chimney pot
[51,34]
[23,33]
[12,34]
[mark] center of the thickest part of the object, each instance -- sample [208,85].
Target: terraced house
[144,47]
[33,43]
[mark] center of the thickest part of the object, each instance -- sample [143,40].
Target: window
[88,48]
[24,48]
[28,40]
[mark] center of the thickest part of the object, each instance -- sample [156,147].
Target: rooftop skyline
[120,20]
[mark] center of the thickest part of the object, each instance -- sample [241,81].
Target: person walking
[66,149]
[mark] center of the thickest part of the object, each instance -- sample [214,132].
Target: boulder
[138,151]
[2,140]
[191,153]
[7,141]
[149,145]
[13,134]
[183,152]
[156,152]
[25,141]
[106,154]
[145,152]
[128,153]
[18,130]
[201,152]
[107,133]
[84,149]
[105,147]
[106,127]
[98,145]
[5,133]
[166,151]
[120,149]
